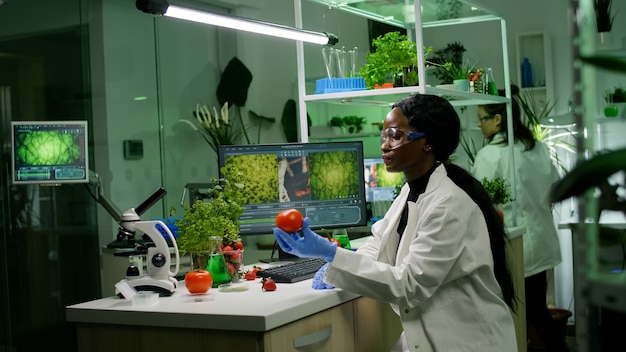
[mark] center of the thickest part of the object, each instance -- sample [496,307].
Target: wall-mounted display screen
[324,181]
[380,185]
[49,152]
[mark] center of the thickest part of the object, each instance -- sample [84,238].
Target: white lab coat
[535,175]
[439,278]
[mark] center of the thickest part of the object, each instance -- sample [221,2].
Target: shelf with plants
[401,14]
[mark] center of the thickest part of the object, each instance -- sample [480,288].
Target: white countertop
[251,310]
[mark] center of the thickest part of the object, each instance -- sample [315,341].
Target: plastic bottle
[527,74]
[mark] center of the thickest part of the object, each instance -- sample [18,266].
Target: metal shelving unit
[594,288]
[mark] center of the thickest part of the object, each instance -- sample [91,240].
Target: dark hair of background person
[435,117]
[521,132]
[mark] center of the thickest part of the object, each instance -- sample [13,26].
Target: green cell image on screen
[334,175]
[43,148]
[259,176]
[388,179]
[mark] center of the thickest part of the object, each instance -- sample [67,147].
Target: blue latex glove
[310,245]
[318,279]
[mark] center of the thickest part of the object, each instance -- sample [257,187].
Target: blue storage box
[334,85]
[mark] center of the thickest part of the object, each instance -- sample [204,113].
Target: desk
[293,315]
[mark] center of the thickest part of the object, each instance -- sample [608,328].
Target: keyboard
[291,272]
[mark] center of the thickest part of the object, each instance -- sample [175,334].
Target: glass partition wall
[137,80]
[48,241]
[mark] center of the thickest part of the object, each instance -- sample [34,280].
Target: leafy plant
[216,129]
[498,189]
[452,54]
[393,52]
[217,217]
[617,95]
[460,71]
[336,121]
[604,17]
[354,123]
[469,148]
[536,112]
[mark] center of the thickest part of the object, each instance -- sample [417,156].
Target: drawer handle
[301,341]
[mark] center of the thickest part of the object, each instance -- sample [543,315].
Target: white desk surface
[251,310]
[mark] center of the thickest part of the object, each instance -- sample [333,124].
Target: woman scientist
[438,254]
[534,176]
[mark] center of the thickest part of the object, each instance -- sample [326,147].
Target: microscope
[158,277]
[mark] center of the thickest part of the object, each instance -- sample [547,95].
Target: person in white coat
[438,255]
[534,176]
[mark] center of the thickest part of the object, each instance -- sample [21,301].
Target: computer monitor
[324,181]
[49,152]
[380,185]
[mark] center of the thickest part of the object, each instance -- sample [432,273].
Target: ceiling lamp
[161,7]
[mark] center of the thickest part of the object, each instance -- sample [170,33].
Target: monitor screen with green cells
[324,181]
[49,152]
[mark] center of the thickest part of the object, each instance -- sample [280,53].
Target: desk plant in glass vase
[209,230]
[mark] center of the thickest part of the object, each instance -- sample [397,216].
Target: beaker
[216,265]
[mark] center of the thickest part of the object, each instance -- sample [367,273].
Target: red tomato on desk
[289,220]
[198,281]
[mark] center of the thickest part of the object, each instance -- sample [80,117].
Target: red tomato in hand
[336,241]
[268,284]
[289,220]
[198,281]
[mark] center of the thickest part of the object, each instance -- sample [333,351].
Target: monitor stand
[282,256]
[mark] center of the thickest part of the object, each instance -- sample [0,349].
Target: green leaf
[604,62]
[588,174]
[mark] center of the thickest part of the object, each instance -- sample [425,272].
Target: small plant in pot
[354,123]
[617,95]
[499,192]
[212,227]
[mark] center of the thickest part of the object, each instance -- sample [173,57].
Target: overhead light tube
[161,7]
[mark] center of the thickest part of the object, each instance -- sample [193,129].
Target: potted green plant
[498,189]
[452,54]
[394,54]
[212,226]
[354,123]
[459,73]
[499,192]
[617,95]
[337,124]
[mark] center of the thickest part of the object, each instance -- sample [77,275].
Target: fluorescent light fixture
[161,7]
